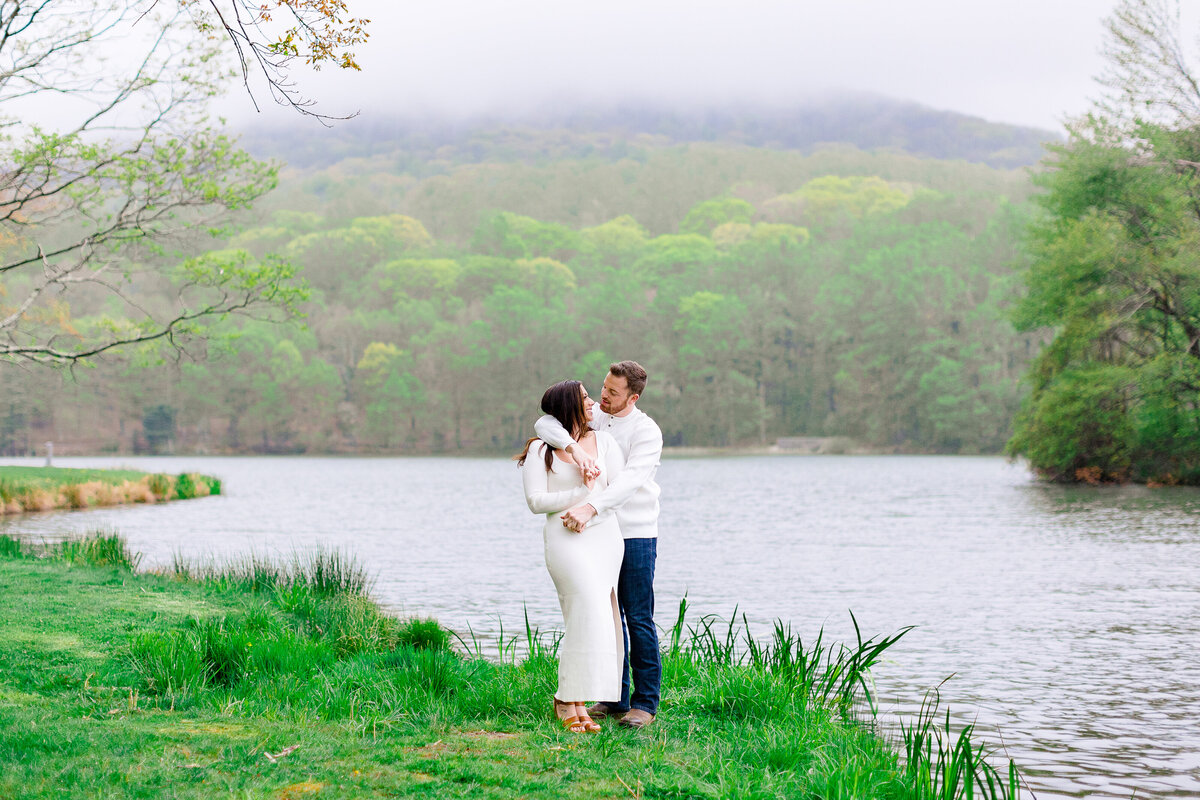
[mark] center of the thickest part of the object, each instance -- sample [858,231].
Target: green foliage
[1114,274]
[832,198]
[884,322]
[185,486]
[1079,422]
[705,217]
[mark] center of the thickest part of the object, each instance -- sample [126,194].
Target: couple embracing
[591,472]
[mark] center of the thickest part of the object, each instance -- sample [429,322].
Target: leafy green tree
[762,234]
[706,216]
[269,385]
[544,239]
[719,403]
[419,278]
[832,198]
[613,243]
[496,236]
[393,234]
[391,393]
[1115,275]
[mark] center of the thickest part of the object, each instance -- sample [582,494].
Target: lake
[1069,617]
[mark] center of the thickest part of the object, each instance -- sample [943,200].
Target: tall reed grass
[320,572]
[943,765]
[11,547]
[97,548]
[833,675]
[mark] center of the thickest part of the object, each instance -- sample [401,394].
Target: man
[634,496]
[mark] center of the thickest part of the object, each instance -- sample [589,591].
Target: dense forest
[769,292]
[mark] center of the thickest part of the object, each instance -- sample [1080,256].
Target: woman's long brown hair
[564,402]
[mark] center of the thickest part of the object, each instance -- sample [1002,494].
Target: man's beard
[613,408]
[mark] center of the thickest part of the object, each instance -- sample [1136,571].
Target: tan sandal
[572,723]
[590,725]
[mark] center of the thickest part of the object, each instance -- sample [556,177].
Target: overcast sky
[1029,62]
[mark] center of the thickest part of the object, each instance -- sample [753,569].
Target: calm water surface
[1069,617]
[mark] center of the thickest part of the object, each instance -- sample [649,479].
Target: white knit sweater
[633,493]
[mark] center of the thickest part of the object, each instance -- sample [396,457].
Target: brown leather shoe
[636,718]
[603,711]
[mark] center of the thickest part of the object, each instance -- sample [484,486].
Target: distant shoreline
[686,451]
[787,446]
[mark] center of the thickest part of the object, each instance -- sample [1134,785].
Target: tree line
[842,306]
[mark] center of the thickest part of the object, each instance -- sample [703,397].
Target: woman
[585,565]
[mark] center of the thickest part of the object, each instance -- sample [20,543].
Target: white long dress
[585,567]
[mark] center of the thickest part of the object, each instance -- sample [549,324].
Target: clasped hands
[576,518]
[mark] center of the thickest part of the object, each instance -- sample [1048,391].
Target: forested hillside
[631,130]
[769,293]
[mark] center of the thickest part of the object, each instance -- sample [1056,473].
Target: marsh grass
[160,486]
[298,579]
[834,675]
[11,547]
[299,642]
[941,764]
[97,548]
[25,489]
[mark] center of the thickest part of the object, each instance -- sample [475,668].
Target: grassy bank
[25,489]
[260,679]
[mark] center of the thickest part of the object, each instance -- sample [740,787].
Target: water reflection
[1069,616]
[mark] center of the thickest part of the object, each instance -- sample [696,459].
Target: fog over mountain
[1022,63]
[617,130]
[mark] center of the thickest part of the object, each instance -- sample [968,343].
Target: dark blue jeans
[635,594]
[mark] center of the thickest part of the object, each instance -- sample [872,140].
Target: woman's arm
[549,429]
[536,479]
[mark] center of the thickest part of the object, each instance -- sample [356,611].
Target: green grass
[50,477]
[198,682]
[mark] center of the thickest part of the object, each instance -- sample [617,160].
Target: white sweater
[633,493]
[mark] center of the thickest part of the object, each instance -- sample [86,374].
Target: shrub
[423,634]
[185,487]
[160,485]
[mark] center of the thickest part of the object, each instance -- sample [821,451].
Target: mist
[1026,64]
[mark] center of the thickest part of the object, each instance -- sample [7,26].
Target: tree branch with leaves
[112,178]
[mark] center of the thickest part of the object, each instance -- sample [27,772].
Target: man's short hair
[633,373]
